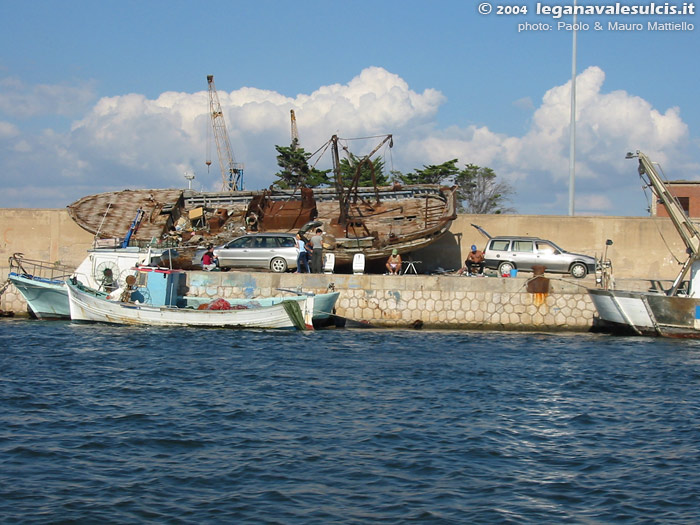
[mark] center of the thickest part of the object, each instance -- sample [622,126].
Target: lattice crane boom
[231,172]
[295,131]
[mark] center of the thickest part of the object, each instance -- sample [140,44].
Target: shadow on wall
[445,254]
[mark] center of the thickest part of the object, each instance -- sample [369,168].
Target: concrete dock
[641,261]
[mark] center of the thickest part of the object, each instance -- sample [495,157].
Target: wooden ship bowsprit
[369,220]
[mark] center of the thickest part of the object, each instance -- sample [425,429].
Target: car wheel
[578,270]
[505,268]
[278,265]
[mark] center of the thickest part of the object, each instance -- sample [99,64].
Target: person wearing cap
[393,263]
[474,263]
[251,222]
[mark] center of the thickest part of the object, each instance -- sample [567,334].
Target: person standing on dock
[317,254]
[303,257]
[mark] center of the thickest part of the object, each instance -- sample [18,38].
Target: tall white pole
[572,123]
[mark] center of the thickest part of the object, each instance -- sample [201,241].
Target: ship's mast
[344,194]
[338,178]
[231,172]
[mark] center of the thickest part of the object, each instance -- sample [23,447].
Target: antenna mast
[231,172]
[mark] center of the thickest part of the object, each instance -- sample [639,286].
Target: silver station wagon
[273,251]
[522,253]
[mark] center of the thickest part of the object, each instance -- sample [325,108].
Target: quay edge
[426,301]
[457,302]
[417,301]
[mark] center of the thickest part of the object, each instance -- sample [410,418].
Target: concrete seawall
[645,247]
[488,303]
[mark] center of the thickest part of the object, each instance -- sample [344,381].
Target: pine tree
[433,174]
[295,171]
[348,169]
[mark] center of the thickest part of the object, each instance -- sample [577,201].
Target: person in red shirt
[209,260]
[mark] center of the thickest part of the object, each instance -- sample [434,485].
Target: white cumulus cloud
[8,130]
[131,141]
[537,163]
[18,99]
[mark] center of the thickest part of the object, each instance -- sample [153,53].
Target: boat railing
[39,270]
[434,213]
[113,243]
[194,199]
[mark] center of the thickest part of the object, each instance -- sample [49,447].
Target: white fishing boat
[622,311]
[105,267]
[675,313]
[324,304]
[42,286]
[156,305]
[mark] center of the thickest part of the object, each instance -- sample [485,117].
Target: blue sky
[101,96]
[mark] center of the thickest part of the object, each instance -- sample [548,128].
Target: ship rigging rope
[324,148]
[364,138]
[327,144]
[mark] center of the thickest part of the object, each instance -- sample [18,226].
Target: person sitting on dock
[474,261]
[393,263]
[209,260]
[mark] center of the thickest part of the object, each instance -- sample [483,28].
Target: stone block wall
[12,300]
[489,303]
[645,248]
[469,309]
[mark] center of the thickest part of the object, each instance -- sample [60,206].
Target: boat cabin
[159,286]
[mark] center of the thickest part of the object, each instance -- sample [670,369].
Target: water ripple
[126,425]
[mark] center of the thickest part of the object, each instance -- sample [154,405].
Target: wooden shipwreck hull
[373,222]
[403,218]
[110,215]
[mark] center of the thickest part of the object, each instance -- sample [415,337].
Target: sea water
[111,424]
